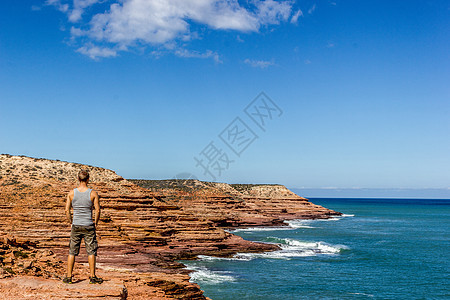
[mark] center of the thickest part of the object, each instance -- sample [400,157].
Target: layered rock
[237,205]
[144,227]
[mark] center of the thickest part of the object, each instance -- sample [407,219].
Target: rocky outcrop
[145,225]
[237,205]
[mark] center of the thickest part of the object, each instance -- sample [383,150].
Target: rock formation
[145,226]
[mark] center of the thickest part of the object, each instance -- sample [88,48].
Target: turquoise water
[380,249]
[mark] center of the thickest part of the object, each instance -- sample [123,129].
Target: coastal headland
[145,227]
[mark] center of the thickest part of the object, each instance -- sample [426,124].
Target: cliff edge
[145,226]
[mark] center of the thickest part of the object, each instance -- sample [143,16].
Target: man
[83,200]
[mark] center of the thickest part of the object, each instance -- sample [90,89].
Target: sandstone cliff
[236,205]
[145,226]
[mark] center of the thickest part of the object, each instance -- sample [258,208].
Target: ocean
[379,249]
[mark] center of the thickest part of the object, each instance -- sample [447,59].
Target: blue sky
[142,88]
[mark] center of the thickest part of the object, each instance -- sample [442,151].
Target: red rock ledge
[146,225]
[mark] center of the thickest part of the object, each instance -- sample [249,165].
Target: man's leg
[74,248]
[91,244]
[70,264]
[92,262]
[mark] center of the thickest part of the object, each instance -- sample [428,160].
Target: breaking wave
[204,275]
[292,224]
[289,248]
[254,229]
[294,248]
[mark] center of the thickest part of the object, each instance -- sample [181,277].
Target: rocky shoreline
[146,225]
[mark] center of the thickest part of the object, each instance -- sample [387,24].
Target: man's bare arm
[96,201]
[68,206]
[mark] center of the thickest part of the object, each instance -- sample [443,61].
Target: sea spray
[291,224]
[289,248]
[294,248]
[203,275]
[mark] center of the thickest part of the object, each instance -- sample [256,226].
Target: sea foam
[294,248]
[255,229]
[204,275]
[292,224]
[290,248]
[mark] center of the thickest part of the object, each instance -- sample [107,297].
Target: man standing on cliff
[83,200]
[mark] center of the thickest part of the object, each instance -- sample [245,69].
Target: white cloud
[295,17]
[312,9]
[78,8]
[57,3]
[259,63]
[160,21]
[271,12]
[207,54]
[74,12]
[95,52]
[131,23]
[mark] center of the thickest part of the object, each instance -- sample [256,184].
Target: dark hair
[83,176]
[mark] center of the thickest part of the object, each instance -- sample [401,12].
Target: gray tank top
[82,208]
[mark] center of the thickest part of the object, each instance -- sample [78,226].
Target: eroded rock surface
[145,226]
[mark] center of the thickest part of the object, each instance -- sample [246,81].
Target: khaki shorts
[90,239]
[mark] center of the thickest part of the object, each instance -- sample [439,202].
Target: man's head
[83,176]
